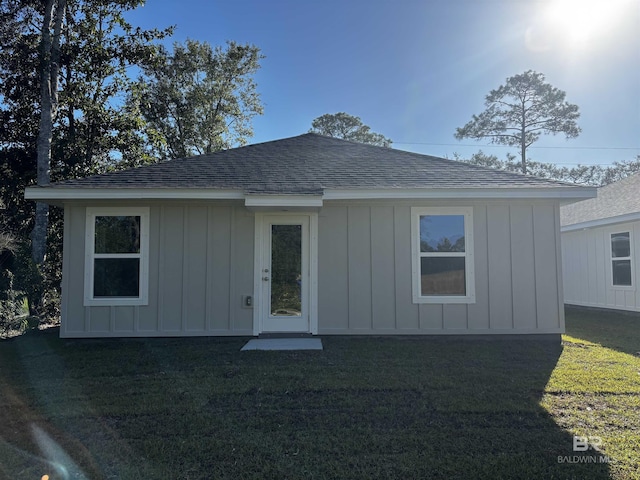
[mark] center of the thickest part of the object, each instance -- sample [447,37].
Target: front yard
[595,388]
[362,408]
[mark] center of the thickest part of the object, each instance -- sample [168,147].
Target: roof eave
[55,195]
[602,222]
[561,193]
[59,195]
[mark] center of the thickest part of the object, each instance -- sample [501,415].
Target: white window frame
[416,255]
[630,258]
[90,255]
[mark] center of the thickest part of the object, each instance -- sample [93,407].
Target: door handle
[266,279]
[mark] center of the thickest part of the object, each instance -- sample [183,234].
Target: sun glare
[579,21]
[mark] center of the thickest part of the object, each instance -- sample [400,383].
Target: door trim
[258,262]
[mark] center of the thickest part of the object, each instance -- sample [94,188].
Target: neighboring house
[601,248]
[315,235]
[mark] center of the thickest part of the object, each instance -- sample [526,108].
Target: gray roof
[308,164]
[613,200]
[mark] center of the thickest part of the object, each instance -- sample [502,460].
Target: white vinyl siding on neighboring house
[601,265]
[442,255]
[116,256]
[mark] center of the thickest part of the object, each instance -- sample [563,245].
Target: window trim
[90,256]
[630,258]
[467,212]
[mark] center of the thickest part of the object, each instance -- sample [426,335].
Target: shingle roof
[308,164]
[613,200]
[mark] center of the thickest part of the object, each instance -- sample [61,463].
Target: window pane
[442,233]
[620,246]
[286,270]
[116,277]
[622,272]
[117,234]
[442,276]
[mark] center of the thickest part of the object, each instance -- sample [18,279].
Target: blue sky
[414,70]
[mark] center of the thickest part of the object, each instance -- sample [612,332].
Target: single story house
[315,235]
[601,248]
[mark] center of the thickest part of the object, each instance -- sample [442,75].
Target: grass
[362,408]
[595,388]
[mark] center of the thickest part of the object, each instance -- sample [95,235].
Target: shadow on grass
[362,408]
[616,330]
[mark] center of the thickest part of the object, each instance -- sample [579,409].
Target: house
[310,234]
[601,248]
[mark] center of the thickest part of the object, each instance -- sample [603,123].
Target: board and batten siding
[586,256]
[364,272]
[200,266]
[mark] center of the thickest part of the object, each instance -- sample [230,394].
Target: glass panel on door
[286,270]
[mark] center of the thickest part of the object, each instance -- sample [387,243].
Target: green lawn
[595,388]
[362,408]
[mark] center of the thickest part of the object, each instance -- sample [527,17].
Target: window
[621,259]
[116,265]
[442,246]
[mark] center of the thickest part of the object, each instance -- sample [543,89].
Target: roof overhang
[602,222]
[61,195]
[561,193]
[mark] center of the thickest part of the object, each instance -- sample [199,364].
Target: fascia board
[62,194]
[46,194]
[563,193]
[602,222]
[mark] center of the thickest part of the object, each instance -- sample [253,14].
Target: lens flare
[580,21]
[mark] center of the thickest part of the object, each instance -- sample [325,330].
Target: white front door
[284,281]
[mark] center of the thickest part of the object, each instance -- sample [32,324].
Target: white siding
[359,268]
[586,260]
[499,262]
[365,272]
[201,264]
[383,305]
[524,284]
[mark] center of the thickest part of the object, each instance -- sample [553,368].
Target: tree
[200,99]
[520,111]
[92,131]
[96,131]
[7,243]
[19,112]
[49,68]
[64,57]
[594,175]
[620,170]
[345,126]
[490,161]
